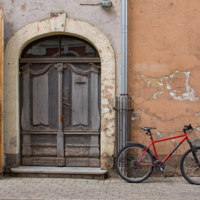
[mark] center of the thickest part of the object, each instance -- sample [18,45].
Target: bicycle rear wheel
[127,166]
[189,167]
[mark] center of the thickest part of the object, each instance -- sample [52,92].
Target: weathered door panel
[39,114]
[40,99]
[44,145]
[82,138]
[60,116]
[80,100]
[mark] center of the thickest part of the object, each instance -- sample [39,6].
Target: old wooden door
[60,112]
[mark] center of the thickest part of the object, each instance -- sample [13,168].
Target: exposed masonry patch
[106,110]
[135,114]
[197,114]
[196,142]
[189,94]
[159,82]
[198,128]
[154,96]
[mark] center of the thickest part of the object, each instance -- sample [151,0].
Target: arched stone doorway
[60,103]
[57,24]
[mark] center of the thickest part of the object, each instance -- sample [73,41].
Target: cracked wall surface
[164,70]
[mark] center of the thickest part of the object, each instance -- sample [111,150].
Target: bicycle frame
[185,137]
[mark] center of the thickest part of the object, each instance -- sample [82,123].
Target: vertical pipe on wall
[124,47]
[124,64]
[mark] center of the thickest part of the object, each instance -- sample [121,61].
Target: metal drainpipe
[124,63]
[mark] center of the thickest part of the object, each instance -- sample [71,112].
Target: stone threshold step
[59,170]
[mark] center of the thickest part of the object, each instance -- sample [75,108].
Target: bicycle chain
[158,164]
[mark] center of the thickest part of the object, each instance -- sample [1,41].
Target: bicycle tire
[189,168]
[127,170]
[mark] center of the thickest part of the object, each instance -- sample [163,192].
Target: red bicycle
[135,162]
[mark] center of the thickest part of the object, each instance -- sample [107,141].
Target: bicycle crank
[160,167]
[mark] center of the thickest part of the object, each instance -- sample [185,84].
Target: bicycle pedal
[164,174]
[161,169]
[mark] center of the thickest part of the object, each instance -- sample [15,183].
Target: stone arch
[58,24]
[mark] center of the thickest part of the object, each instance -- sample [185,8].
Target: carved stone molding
[94,69]
[60,67]
[26,69]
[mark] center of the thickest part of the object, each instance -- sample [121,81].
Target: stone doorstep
[71,172]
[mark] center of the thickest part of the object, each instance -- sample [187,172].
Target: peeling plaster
[190,93]
[104,101]
[168,87]
[198,128]
[154,96]
[106,110]
[135,114]
[197,114]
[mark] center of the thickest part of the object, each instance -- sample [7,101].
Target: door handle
[66,104]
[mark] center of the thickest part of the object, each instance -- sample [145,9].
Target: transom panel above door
[60,104]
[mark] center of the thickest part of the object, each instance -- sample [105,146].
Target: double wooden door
[60,114]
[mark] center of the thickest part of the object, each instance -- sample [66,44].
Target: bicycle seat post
[149,133]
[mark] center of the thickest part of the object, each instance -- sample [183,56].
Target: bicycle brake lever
[187,127]
[190,127]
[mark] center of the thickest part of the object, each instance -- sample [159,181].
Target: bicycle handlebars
[186,127]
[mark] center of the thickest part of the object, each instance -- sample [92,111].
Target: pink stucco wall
[164,68]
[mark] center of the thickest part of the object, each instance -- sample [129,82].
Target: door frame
[52,26]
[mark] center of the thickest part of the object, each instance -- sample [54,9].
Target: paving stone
[61,188]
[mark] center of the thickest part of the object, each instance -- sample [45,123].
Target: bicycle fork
[193,147]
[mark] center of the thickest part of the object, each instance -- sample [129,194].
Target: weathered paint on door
[60,116]
[60,113]
[1,89]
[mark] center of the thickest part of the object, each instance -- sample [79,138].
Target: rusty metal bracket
[102,4]
[123,108]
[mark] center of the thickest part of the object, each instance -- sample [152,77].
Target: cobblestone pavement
[62,188]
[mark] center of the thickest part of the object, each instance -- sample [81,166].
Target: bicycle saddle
[147,128]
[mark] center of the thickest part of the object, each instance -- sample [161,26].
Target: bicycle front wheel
[189,167]
[131,169]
